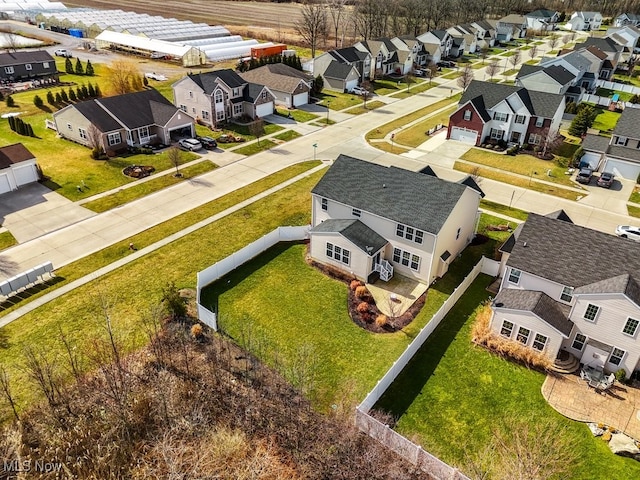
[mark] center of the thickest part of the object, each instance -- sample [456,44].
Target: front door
[594,357]
[376,261]
[515,137]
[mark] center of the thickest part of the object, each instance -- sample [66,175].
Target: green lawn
[415,89]
[606,92]
[299,116]
[371,105]
[504,209]
[526,47]
[133,193]
[606,120]
[532,62]
[7,240]
[510,72]
[635,196]
[287,135]
[386,86]
[452,75]
[452,396]
[633,211]
[634,80]
[417,134]
[338,100]
[521,164]
[508,53]
[255,147]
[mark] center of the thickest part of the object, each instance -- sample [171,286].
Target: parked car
[190,144]
[446,64]
[155,76]
[208,142]
[63,52]
[584,175]
[159,56]
[360,91]
[419,73]
[605,180]
[625,231]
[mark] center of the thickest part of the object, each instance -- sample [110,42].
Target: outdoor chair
[607,383]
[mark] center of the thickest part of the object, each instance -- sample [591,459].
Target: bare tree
[466,78]
[515,58]
[533,51]
[5,386]
[124,76]
[484,53]
[553,41]
[256,128]
[432,69]
[336,10]
[10,41]
[313,26]
[492,68]
[551,140]
[174,154]
[410,79]
[94,137]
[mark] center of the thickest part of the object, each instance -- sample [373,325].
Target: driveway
[34,210]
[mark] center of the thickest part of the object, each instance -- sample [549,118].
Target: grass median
[7,240]
[360,109]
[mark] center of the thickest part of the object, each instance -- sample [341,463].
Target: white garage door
[619,168]
[25,174]
[264,109]
[300,99]
[464,135]
[593,159]
[351,85]
[4,183]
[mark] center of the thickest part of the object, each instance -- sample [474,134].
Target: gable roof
[624,283]
[484,24]
[597,52]
[595,143]
[471,183]
[541,304]
[338,70]
[277,76]
[139,109]
[513,19]
[349,54]
[407,197]
[208,81]
[628,123]
[540,104]
[19,58]
[528,70]
[541,13]
[363,237]
[606,44]
[572,255]
[97,115]
[588,15]
[12,154]
[556,72]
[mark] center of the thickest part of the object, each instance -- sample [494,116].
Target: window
[205,115]
[218,97]
[219,115]
[356,212]
[183,108]
[539,341]
[28,66]
[579,341]
[621,141]
[236,92]
[406,258]
[539,122]
[507,329]
[143,132]
[631,327]
[409,233]
[523,335]
[520,119]
[264,94]
[340,254]
[616,356]
[324,203]
[467,115]
[237,109]
[190,94]
[591,313]
[496,133]
[501,117]
[514,276]
[83,133]
[193,110]
[69,127]
[458,233]
[567,294]
[114,138]
[9,70]
[535,139]
[418,237]
[45,64]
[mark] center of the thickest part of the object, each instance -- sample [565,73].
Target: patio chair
[607,383]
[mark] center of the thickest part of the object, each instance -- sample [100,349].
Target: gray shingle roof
[624,283]
[277,76]
[350,54]
[338,70]
[625,153]
[595,143]
[628,124]
[528,70]
[208,81]
[560,74]
[540,104]
[363,237]
[605,44]
[139,109]
[410,198]
[572,255]
[251,92]
[20,58]
[541,304]
[97,116]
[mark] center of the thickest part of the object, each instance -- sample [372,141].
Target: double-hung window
[514,276]
[83,133]
[567,294]
[523,335]
[114,138]
[520,119]
[591,313]
[631,327]
[467,115]
[539,122]
[324,204]
[338,253]
[539,341]
[579,341]
[500,116]
[406,258]
[507,328]
[356,212]
[616,356]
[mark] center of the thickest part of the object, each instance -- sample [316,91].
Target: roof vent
[499,304]
[384,185]
[524,244]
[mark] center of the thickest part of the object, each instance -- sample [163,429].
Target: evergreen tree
[582,121]
[1,96]
[12,123]
[64,96]
[19,126]
[89,69]
[68,67]
[298,63]
[97,91]
[318,85]
[79,69]
[37,101]
[50,99]
[10,101]
[85,91]
[79,94]
[58,98]
[30,130]
[72,95]
[91,91]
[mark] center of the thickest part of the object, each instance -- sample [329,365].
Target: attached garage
[264,109]
[300,99]
[25,174]
[5,186]
[592,159]
[17,167]
[464,135]
[621,168]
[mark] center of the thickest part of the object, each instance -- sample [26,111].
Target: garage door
[25,174]
[300,99]
[464,135]
[591,159]
[351,85]
[619,168]
[264,109]
[4,183]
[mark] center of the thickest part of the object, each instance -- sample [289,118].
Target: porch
[394,297]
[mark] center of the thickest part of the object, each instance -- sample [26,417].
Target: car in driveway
[605,180]
[63,52]
[584,175]
[208,142]
[155,76]
[627,231]
[360,91]
[190,144]
[446,64]
[419,72]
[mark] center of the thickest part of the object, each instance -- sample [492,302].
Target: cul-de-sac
[334,239]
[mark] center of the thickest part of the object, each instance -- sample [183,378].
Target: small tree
[553,41]
[318,85]
[94,137]
[582,121]
[72,95]
[85,91]
[466,78]
[79,93]
[37,101]
[432,70]
[515,58]
[256,128]
[89,69]
[533,51]
[492,68]
[174,303]
[410,79]
[50,98]
[79,69]
[64,96]
[58,98]
[97,91]
[91,91]
[10,101]
[68,66]
[484,53]
[174,154]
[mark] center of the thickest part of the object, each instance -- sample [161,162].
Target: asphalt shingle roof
[541,304]
[251,92]
[626,153]
[363,237]
[403,196]
[350,54]
[624,283]
[540,104]
[628,124]
[338,70]
[12,154]
[528,70]
[572,255]
[208,81]
[605,44]
[139,109]
[97,115]
[277,76]
[595,143]
[20,58]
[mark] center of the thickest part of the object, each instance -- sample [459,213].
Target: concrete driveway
[34,210]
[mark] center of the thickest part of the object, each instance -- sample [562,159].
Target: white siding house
[17,167]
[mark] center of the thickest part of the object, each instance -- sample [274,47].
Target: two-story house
[486,33]
[627,19]
[585,64]
[132,119]
[466,36]
[584,21]
[220,96]
[372,221]
[441,40]
[511,26]
[626,36]
[619,154]
[418,53]
[22,66]
[495,112]
[542,20]
[379,54]
[611,48]
[557,295]
[552,79]
[359,59]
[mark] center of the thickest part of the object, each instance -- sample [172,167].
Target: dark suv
[208,142]
[584,175]
[605,180]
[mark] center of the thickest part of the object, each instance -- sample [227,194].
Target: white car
[360,91]
[155,76]
[190,144]
[63,52]
[625,231]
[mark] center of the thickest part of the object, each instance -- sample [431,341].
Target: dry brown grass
[362,292]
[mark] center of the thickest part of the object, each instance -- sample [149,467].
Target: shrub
[37,101]
[606,436]
[362,292]
[621,375]
[362,307]
[612,429]
[526,146]
[381,320]
[355,284]
[196,331]
[10,101]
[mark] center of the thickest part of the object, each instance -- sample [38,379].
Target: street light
[315,145]
[328,104]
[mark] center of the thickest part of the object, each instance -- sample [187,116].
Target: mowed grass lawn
[606,120]
[452,395]
[417,134]
[6,240]
[371,105]
[338,100]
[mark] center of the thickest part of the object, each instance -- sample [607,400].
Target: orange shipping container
[267,50]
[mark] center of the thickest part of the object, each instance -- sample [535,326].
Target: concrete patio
[394,297]
[617,407]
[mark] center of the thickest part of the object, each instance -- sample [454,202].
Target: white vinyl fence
[392,440]
[233,261]
[620,87]
[605,101]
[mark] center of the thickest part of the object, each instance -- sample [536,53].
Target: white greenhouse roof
[144,43]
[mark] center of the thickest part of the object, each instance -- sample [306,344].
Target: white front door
[594,357]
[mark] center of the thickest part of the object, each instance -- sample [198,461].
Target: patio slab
[406,291]
[617,407]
